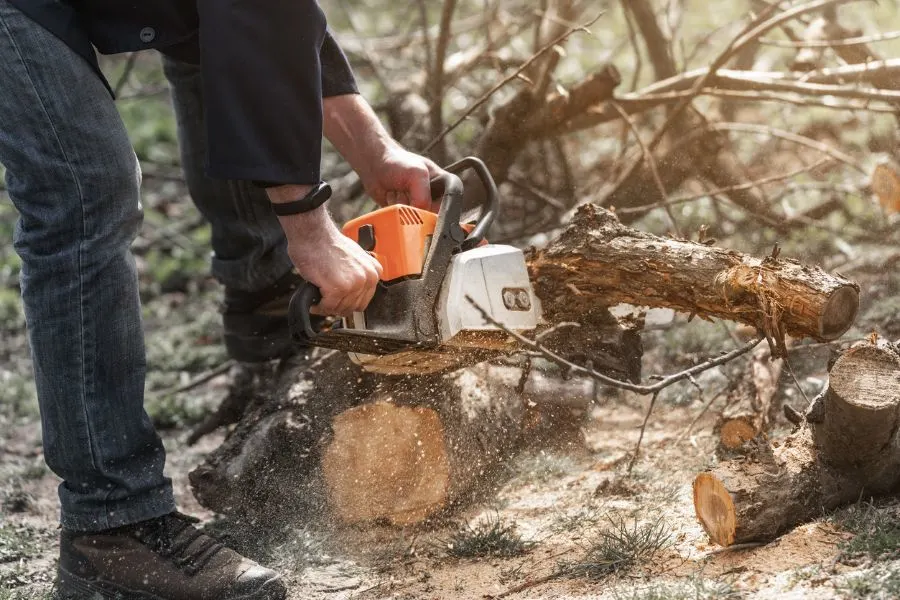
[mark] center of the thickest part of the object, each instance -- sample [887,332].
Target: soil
[557,498]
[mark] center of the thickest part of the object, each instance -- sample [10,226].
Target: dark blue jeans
[75,181]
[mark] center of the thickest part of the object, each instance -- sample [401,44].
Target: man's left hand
[402,177]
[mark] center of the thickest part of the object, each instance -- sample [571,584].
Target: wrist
[281,194]
[309,228]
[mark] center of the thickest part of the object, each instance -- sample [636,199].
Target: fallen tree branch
[794,138]
[506,80]
[852,41]
[753,31]
[713,192]
[882,75]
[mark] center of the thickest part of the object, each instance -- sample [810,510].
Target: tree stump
[852,451]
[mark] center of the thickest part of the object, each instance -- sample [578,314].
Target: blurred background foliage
[493,38]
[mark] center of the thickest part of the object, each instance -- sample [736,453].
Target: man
[255,83]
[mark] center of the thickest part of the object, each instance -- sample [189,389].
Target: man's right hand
[346,275]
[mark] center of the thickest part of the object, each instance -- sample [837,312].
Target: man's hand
[400,177]
[345,274]
[390,174]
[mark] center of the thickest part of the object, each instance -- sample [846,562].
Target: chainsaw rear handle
[299,317]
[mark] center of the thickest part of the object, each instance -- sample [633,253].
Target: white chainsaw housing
[496,278]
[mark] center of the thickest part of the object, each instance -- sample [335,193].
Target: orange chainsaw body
[397,236]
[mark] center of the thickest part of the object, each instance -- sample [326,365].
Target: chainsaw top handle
[490,205]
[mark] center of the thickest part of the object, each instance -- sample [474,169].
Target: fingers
[420,188]
[353,288]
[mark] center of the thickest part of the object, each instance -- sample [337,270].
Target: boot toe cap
[259,583]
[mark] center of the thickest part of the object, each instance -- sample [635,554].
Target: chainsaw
[440,277]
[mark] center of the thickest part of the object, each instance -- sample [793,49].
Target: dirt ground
[557,499]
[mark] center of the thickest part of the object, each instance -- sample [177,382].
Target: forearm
[353,128]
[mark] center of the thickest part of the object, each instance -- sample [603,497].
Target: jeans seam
[78,187]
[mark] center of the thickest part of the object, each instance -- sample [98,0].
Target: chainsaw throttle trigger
[302,329]
[490,204]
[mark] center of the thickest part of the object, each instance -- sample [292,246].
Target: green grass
[626,543]
[18,542]
[18,396]
[175,412]
[491,537]
[26,594]
[695,589]
[876,531]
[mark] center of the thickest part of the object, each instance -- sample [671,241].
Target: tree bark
[850,449]
[598,260]
[751,406]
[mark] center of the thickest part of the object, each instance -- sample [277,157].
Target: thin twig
[794,138]
[725,190]
[663,383]
[790,369]
[488,94]
[651,164]
[699,415]
[852,41]
[637,447]
[199,380]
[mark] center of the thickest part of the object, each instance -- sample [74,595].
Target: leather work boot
[166,558]
[256,323]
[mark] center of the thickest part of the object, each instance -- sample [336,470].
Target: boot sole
[72,587]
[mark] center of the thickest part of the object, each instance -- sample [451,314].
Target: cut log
[751,405]
[599,260]
[852,452]
[420,448]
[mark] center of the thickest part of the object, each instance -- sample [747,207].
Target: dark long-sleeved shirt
[266,66]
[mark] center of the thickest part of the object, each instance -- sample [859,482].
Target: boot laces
[172,537]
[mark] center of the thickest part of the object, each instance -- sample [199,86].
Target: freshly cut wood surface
[383,455]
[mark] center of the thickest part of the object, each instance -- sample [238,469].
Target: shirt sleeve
[337,75]
[263,81]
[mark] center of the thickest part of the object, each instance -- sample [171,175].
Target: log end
[715,509]
[735,431]
[839,312]
[867,376]
[386,463]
